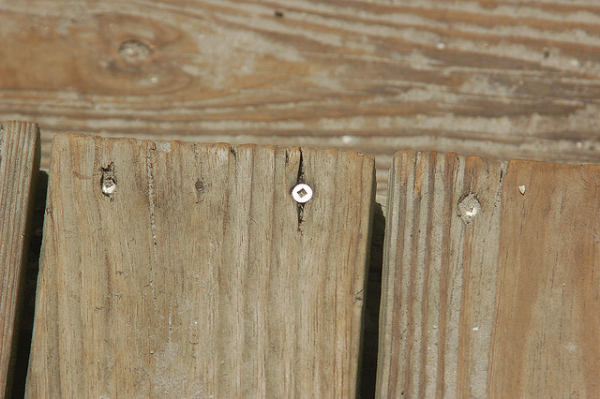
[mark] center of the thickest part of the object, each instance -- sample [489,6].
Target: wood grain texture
[503,80]
[545,341]
[489,292]
[199,276]
[439,276]
[19,164]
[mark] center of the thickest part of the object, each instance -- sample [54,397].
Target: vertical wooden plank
[490,284]
[438,281]
[19,160]
[197,274]
[547,327]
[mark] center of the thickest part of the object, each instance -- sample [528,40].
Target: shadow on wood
[19,163]
[29,287]
[372,304]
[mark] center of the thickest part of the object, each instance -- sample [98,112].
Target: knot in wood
[133,51]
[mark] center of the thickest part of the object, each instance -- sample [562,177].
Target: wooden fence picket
[490,279]
[173,269]
[19,163]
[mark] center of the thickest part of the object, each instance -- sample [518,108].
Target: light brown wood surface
[546,337]
[501,79]
[497,302]
[19,163]
[199,275]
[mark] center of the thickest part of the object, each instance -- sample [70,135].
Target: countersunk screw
[302,193]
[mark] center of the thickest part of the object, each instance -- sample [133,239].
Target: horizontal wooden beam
[492,78]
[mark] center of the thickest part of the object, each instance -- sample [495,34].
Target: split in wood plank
[174,269]
[490,283]
[19,164]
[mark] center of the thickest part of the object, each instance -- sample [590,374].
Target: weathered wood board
[19,164]
[500,79]
[174,269]
[490,284]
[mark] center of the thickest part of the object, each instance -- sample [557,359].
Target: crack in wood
[150,178]
[498,199]
[300,180]
[2,139]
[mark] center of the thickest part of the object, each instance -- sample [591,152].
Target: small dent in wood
[279,14]
[546,52]
[134,51]
[199,187]
[359,296]
[108,183]
[468,208]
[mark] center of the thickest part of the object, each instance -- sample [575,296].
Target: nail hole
[546,53]
[468,208]
[201,189]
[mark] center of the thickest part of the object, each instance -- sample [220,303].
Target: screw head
[302,193]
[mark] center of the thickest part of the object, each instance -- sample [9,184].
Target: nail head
[108,185]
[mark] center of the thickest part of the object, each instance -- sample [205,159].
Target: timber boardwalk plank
[173,269]
[19,162]
[500,79]
[490,281]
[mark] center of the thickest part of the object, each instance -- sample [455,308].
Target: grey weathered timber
[490,282]
[499,79]
[19,160]
[174,269]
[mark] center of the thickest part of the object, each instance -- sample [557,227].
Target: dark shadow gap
[24,328]
[368,374]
